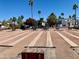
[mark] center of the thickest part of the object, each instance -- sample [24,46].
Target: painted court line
[22,38]
[36,39]
[49,41]
[33,42]
[50,53]
[72,35]
[67,39]
[75,31]
[8,35]
[12,38]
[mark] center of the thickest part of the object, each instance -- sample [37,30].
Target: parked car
[3,27]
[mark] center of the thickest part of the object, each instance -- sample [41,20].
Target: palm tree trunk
[39,16]
[32,11]
[75,16]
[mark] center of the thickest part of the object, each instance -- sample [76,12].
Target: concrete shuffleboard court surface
[67,40]
[53,43]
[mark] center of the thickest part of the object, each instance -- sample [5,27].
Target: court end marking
[6,46]
[74,46]
[39,47]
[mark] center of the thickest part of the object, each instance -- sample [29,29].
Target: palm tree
[31,5]
[22,17]
[75,6]
[20,21]
[70,16]
[62,14]
[39,12]
[59,17]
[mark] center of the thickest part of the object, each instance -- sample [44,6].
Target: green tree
[40,22]
[10,20]
[31,5]
[0,22]
[30,22]
[74,16]
[20,20]
[14,19]
[52,19]
[4,23]
[13,27]
[75,6]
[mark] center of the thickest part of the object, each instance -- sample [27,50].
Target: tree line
[20,21]
[51,20]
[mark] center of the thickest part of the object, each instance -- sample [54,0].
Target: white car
[3,27]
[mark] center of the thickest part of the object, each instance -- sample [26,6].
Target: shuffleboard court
[12,38]
[40,41]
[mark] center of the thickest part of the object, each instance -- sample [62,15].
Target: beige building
[71,22]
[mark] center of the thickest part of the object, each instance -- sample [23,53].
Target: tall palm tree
[69,16]
[59,17]
[31,5]
[62,14]
[39,12]
[75,6]
[22,17]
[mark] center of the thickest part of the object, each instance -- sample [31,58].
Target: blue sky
[10,8]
